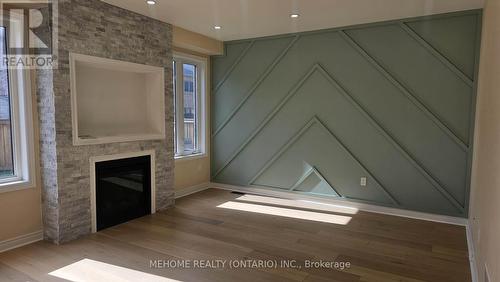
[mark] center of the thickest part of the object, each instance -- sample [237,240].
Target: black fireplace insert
[123,190]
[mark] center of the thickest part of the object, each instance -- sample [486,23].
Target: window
[16,145]
[6,147]
[189,104]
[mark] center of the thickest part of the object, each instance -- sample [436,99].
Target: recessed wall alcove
[115,101]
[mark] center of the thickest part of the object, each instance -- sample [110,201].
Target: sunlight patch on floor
[286,212]
[87,270]
[298,204]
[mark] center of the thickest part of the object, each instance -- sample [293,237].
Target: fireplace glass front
[123,190]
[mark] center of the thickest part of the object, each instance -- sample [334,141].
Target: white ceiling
[254,18]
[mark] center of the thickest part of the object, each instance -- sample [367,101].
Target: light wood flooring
[218,225]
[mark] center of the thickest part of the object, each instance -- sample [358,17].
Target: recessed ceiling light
[294,16]
[150,2]
[217,27]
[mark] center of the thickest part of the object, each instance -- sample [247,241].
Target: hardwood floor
[219,226]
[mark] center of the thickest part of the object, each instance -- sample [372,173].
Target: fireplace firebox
[122,190]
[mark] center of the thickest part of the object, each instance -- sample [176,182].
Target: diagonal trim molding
[356,159]
[267,119]
[303,178]
[315,171]
[437,54]
[318,67]
[423,123]
[296,137]
[412,97]
[233,66]
[408,94]
[289,143]
[256,85]
[435,183]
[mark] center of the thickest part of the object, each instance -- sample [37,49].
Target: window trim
[22,133]
[201,64]
[21,130]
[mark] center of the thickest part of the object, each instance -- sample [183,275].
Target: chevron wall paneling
[391,103]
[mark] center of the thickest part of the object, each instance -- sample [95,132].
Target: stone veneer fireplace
[94,28]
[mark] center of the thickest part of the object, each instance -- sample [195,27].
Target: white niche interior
[116,101]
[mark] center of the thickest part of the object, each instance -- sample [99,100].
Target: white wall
[485,194]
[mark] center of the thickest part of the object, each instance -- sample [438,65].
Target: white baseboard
[360,206]
[472,254]
[21,241]
[191,190]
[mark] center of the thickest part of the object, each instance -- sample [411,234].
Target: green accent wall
[392,103]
